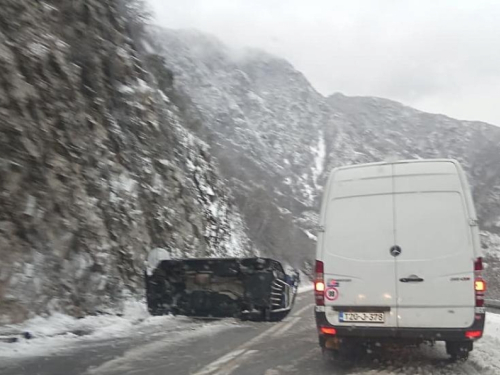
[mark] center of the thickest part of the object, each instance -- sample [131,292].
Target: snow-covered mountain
[379,128]
[276,137]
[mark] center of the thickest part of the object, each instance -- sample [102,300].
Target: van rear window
[360,227]
[426,225]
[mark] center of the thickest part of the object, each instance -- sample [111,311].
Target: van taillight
[473,334]
[478,264]
[319,284]
[328,330]
[479,283]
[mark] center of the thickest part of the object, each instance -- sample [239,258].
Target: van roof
[399,162]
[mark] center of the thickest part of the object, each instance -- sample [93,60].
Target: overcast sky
[440,56]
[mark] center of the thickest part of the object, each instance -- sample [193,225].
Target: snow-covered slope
[256,129]
[256,104]
[276,137]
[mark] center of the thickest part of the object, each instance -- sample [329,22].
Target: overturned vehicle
[245,288]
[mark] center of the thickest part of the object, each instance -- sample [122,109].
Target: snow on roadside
[492,328]
[486,350]
[141,356]
[57,323]
[306,285]
[58,331]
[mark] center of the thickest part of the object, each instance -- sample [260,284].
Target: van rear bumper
[418,334]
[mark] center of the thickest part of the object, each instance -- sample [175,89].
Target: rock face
[97,167]
[277,138]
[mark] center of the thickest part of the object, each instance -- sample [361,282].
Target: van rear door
[359,271]
[434,271]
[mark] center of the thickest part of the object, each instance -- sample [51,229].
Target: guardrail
[492,303]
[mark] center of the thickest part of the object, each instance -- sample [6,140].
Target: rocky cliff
[97,166]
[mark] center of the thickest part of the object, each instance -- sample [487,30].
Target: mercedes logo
[395,251]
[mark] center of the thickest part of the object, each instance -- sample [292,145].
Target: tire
[459,350]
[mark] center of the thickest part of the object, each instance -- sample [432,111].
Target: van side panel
[476,242]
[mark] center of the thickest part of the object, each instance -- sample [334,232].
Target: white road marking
[226,364]
[275,328]
[300,311]
[215,365]
[257,338]
[229,367]
[286,326]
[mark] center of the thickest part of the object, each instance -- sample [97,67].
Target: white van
[398,257]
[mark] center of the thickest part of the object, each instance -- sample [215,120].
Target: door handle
[411,279]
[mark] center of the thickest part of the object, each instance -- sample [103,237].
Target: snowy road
[168,345]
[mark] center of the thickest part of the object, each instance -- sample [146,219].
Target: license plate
[361,317]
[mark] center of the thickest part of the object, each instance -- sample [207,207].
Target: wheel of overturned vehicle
[458,350]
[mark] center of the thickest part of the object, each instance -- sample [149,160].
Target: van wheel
[459,350]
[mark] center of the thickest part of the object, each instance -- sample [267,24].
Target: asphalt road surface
[248,348]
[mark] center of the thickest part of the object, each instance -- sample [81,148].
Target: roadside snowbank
[492,327]
[58,331]
[485,354]
[59,324]
[306,285]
